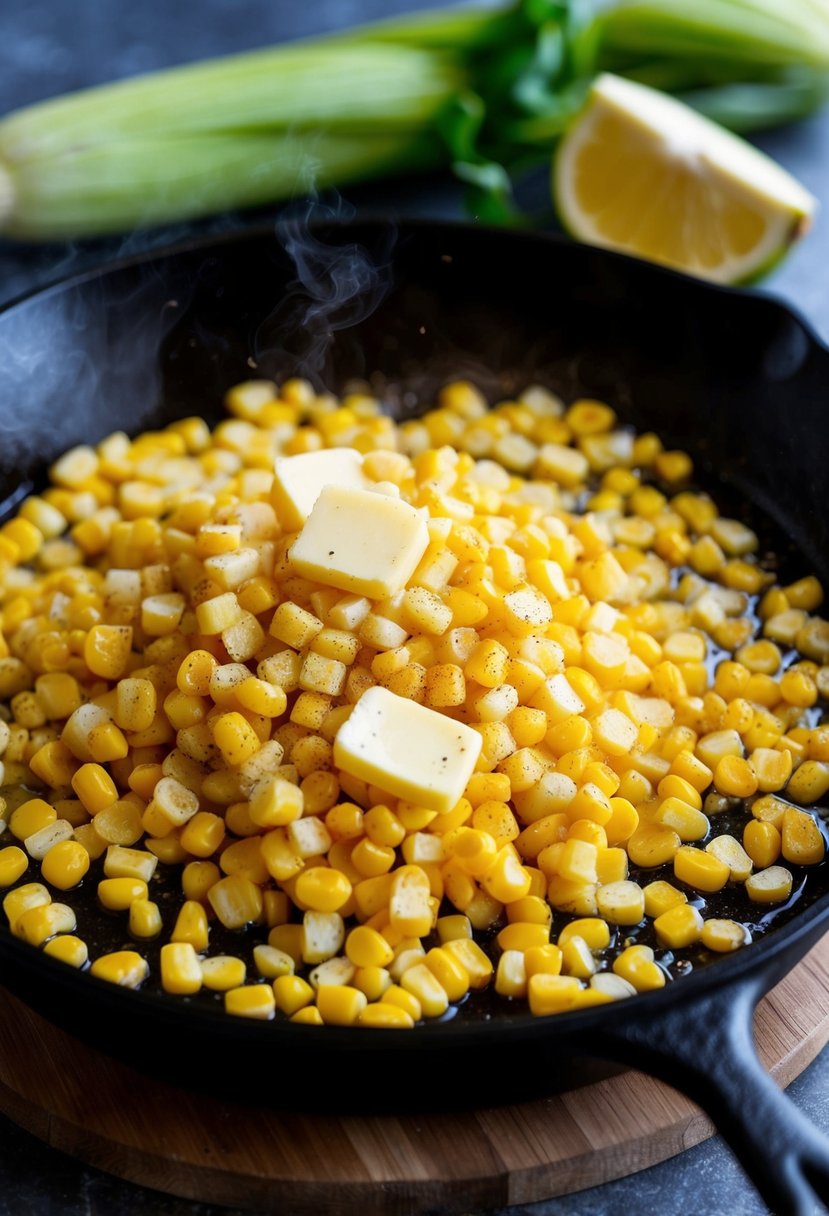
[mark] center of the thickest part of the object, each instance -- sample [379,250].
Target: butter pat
[298,480]
[360,541]
[411,751]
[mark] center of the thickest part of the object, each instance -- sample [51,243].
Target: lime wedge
[642,172]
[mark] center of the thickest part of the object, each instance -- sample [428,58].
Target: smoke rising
[336,286]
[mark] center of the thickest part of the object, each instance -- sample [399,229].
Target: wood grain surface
[112,1117]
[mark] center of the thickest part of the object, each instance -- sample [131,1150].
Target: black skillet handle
[706,1050]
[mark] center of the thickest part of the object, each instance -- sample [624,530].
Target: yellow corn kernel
[576,898]
[171,806]
[144,918]
[123,862]
[340,1004]
[548,994]
[124,967]
[450,928]
[13,865]
[58,693]
[117,894]
[271,962]
[771,767]
[218,613]
[735,777]
[763,842]
[797,688]
[275,802]
[723,936]
[449,972]
[95,788]
[323,934]
[713,747]
[511,975]
[472,958]
[251,1001]
[531,909]
[577,859]
[65,865]
[322,889]
[195,673]
[818,739]
[546,959]
[577,958]
[691,769]
[30,817]
[488,664]
[68,949]
[409,907]
[191,925]
[684,819]
[636,965]
[679,927]
[235,738]
[135,704]
[623,822]
[144,778]
[40,843]
[700,870]
[236,901]
[294,625]
[222,972]
[660,897]
[86,835]
[291,993]
[592,930]
[22,899]
[729,850]
[423,984]
[621,903]
[161,614]
[802,842]
[106,742]
[203,834]
[652,845]
[107,650]
[39,923]
[260,697]
[806,593]
[590,802]
[808,783]
[197,878]
[365,947]
[181,971]
[523,936]
[770,886]
[770,810]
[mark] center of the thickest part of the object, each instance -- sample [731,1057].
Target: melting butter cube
[360,541]
[411,751]
[298,480]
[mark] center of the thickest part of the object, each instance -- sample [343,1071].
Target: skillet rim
[743,966]
[260,230]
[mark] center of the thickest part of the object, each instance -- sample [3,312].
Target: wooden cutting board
[199,1148]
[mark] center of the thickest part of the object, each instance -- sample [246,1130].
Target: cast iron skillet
[735,378]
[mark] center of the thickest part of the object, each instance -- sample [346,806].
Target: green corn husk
[212,136]
[762,32]
[747,64]
[486,91]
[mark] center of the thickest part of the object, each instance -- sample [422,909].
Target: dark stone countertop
[52,46]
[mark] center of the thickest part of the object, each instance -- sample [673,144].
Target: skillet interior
[736,379]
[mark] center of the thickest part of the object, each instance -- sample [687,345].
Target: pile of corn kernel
[172,690]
